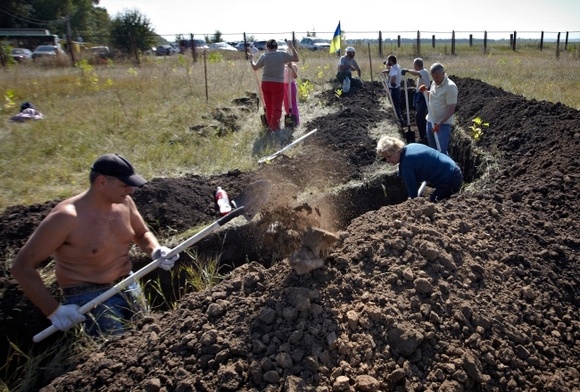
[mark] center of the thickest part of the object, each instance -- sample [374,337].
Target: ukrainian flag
[335,44]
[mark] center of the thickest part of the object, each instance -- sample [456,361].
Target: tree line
[82,20]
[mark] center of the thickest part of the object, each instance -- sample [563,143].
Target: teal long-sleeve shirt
[420,163]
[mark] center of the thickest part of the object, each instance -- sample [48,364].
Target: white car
[282,46]
[221,46]
[314,43]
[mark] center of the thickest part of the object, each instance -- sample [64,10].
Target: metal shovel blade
[289,121]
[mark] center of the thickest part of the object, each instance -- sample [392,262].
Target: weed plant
[193,275]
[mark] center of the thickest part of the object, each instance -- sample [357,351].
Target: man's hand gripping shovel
[248,203]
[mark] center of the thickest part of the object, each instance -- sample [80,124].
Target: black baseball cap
[115,165]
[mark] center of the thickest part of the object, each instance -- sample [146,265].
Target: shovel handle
[270,157]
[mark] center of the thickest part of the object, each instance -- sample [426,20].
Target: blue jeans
[444,136]
[111,316]
[448,188]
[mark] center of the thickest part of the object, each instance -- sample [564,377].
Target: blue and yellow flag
[335,44]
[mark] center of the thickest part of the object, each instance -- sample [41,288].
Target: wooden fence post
[453,42]
[485,41]
[418,43]
[192,48]
[542,41]
[433,41]
[566,42]
[380,44]
[514,41]
[246,47]
[470,40]
[398,41]
[558,46]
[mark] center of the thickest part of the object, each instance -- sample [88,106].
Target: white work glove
[66,316]
[162,251]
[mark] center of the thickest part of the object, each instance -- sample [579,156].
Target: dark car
[165,50]
[47,51]
[21,54]
[260,45]
[247,47]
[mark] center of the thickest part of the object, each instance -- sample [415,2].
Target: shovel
[274,155]
[389,97]
[248,203]
[263,118]
[410,135]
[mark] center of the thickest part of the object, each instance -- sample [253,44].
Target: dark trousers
[450,187]
[421,114]
[396,95]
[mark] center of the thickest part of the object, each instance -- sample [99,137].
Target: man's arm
[143,237]
[46,239]
[448,113]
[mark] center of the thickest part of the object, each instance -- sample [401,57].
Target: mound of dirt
[479,292]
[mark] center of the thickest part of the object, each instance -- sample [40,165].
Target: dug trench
[479,292]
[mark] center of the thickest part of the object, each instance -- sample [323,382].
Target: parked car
[47,51]
[165,50]
[221,46]
[21,54]
[314,43]
[260,45]
[101,52]
[248,46]
[200,44]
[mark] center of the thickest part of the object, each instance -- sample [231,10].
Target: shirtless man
[89,236]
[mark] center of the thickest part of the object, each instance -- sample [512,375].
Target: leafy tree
[132,30]
[84,18]
[217,37]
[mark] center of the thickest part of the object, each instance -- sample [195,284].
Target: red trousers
[273,98]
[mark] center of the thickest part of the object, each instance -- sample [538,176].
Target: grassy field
[157,114]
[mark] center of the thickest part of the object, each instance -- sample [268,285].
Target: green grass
[147,112]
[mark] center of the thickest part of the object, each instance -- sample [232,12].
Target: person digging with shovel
[90,236]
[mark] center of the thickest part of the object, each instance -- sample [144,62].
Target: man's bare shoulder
[66,208]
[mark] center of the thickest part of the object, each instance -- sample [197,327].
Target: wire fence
[382,42]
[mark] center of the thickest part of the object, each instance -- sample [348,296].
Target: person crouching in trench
[418,163]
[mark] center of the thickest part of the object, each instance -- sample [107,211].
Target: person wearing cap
[273,63]
[346,65]
[418,163]
[89,236]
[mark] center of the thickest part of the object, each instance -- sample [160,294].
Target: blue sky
[359,19]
